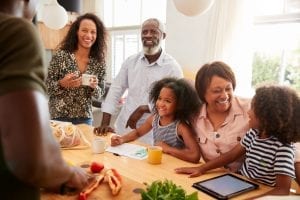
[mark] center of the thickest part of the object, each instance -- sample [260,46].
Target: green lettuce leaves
[166,190]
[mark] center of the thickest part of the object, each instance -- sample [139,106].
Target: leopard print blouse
[72,102]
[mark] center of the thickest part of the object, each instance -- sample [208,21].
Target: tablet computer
[225,186]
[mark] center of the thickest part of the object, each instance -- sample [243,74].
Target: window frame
[285,17]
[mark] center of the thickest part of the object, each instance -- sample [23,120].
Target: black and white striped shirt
[266,158]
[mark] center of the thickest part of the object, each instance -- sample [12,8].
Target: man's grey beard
[154,49]
[151,50]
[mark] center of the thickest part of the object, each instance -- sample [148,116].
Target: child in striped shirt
[176,105]
[267,146]
[297,162]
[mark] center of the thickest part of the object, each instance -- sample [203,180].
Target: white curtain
[229,39]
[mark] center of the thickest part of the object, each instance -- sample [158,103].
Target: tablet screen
[225,186]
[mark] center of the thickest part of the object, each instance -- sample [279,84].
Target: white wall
[93,6]
[188,41]
[186,38]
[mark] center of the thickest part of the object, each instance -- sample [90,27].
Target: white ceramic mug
[99,145]
[87,79]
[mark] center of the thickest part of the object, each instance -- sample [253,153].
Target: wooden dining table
[136,173]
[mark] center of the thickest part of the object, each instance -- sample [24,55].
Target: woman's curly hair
[99,48]
[187,102]
[277,109]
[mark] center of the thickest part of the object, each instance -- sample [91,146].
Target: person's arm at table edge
[297,172]
[283,184]
[109,105]
[31,152]
[105,124]
[220,161]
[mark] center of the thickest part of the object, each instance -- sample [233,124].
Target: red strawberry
[96,167]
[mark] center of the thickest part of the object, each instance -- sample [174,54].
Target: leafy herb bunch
[166,190]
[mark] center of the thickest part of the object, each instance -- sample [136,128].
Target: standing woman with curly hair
[82,51]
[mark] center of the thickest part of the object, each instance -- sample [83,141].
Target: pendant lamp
[54,15]
[193,7]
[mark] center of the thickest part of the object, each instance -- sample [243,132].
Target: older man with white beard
[137,74]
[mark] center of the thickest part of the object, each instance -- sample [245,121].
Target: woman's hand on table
[116,140]
[192,171]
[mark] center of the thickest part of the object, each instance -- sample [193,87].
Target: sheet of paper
[129,150]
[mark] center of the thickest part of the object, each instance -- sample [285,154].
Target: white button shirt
[137,75]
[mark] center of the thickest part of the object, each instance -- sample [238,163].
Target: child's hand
[192,171]
[116,140]
[163,145]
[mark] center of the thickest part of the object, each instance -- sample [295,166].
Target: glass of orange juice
[154,154]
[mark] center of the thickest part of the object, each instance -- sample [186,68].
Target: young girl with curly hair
[176,105]
[267,146]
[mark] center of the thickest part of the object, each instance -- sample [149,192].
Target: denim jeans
[80,120]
